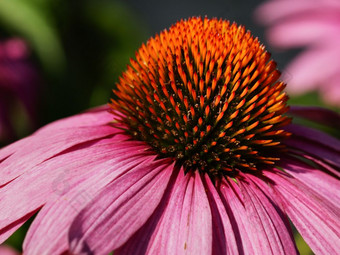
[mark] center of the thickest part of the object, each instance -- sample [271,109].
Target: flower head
[314,27]
[18,84]
[195,156]
[205,93]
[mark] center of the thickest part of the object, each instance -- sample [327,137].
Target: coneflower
[195,155]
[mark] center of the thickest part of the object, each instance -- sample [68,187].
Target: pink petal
[323,166]
[185,227]
[195,223]
[44,235]
[317,180]
[315,150]
[180,225]
[10,229]
[316,219]
[268,221]
[41,184]
[95,117]
[314,135]
[43,145]
[7,151]
[317,114]
[315,143]
[262,226]
[224,226]
[245,237]
[111,218]
[139,242]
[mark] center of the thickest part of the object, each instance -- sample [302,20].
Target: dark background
[157,15]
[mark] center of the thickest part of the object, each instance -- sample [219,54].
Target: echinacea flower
[18,85]
[195,156]
[313,25]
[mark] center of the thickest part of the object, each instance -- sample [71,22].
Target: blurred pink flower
[18,85]
[315,25]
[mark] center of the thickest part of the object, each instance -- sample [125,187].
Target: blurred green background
[81,47]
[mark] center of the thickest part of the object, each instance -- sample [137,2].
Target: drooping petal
[189,213]
[263,227]
[316,219]
[56,176]
[44,235]
[45,144]
[316,150]
[10,149]
[13,226]
[95,117]
[323,166]
[224,240]
[314,143]
[317,114]
[140,241]
[315,136]
[196,224]
[320,182]
[120,209]
[270,222]
[245,237]
[180,225]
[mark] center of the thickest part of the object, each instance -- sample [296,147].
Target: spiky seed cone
[205,93]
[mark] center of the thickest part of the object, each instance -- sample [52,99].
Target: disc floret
[206,93]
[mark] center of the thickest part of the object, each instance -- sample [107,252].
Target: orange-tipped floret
[206,93]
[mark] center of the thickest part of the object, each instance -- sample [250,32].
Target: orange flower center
[205,93]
